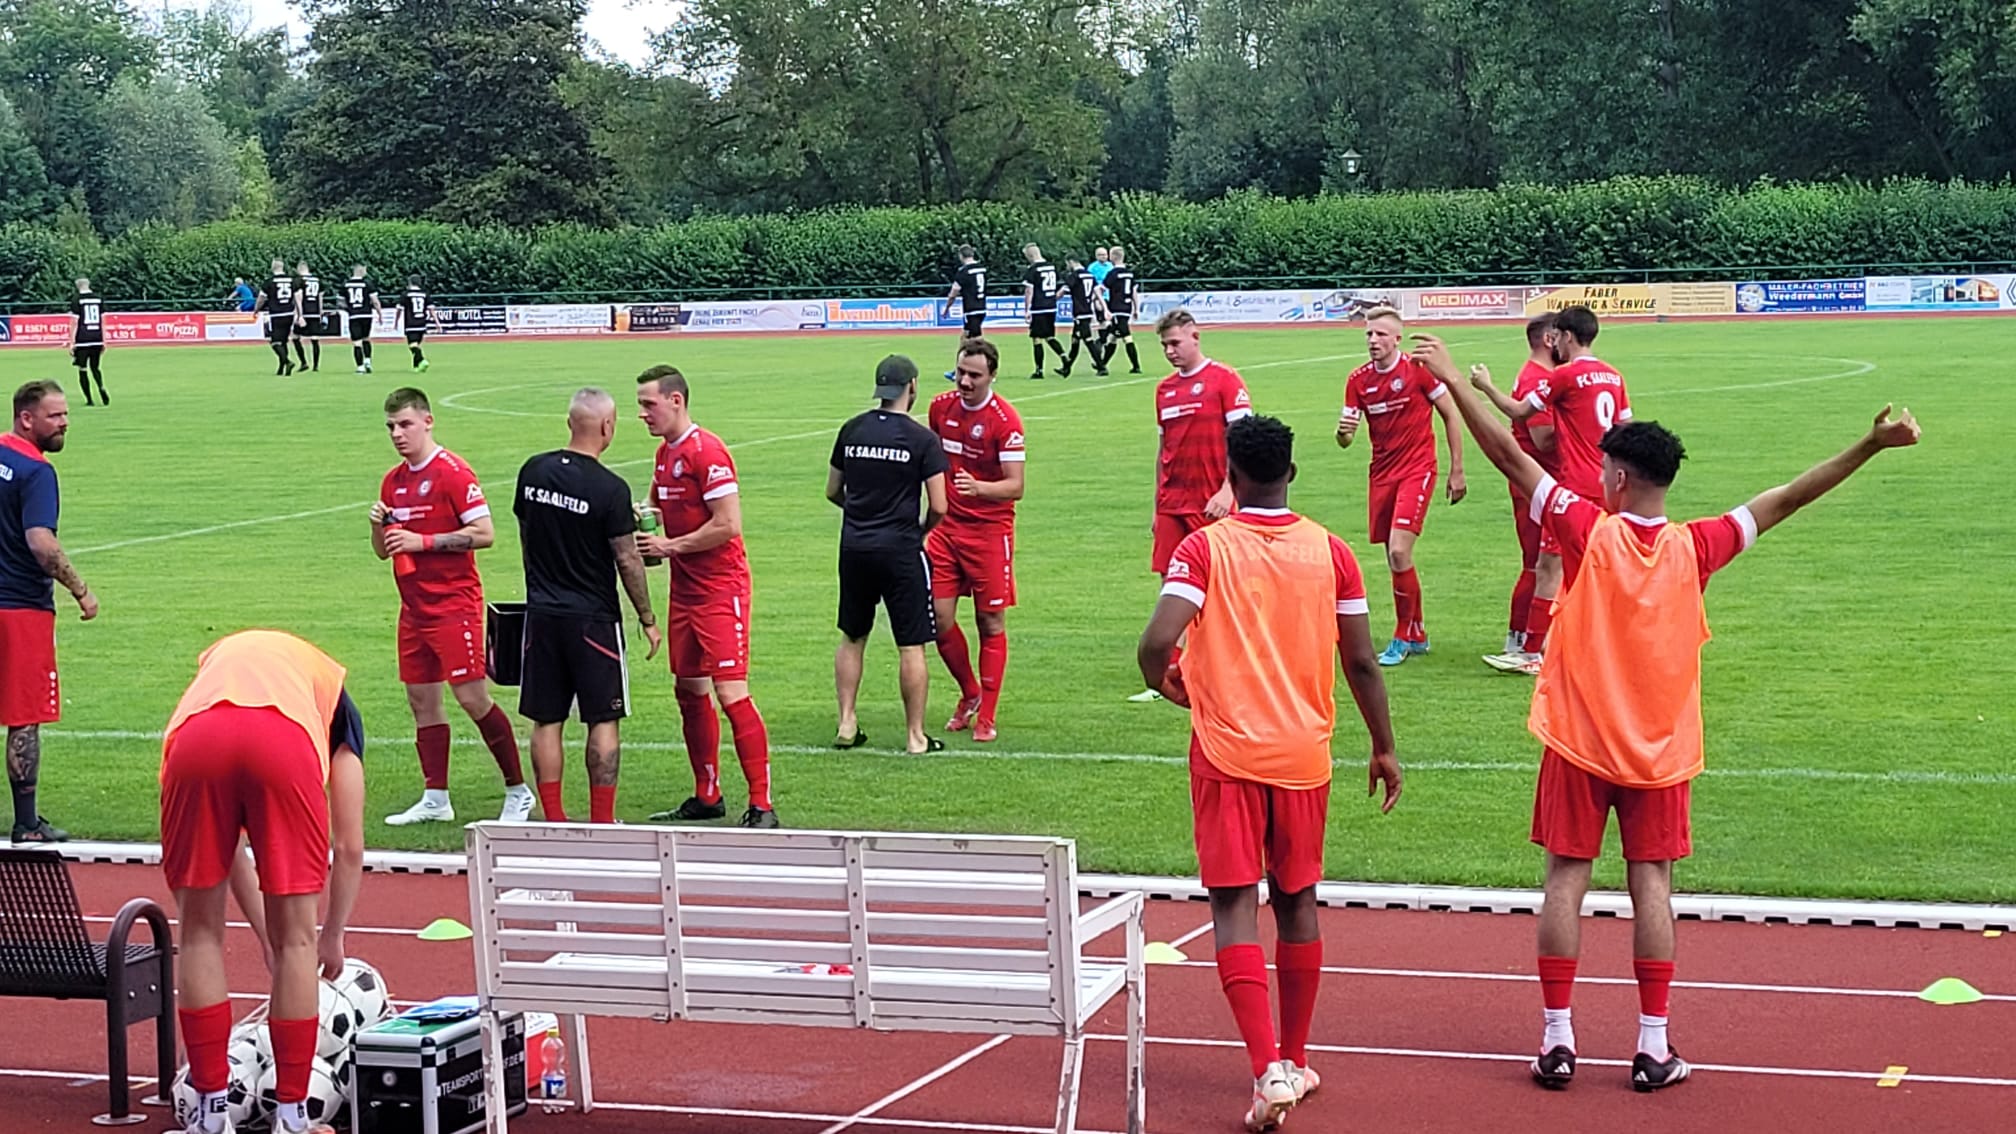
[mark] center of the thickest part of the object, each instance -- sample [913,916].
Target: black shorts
[976,322]
[900,581]
[1043,324]
[573,664]
[1081,327]
[279,328]
[413,337]
[311,326]
[83,354]
[360,328]
[1120,327]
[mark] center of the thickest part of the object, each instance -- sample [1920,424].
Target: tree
[1951,65]
[890,101]
[637,125]
[58,60]
[246,75]
[164,158]
[451,112]
[24,186]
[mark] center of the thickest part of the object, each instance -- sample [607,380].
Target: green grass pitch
[1857,690]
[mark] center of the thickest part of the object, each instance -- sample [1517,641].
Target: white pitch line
[213,528]
[1502,1057]
[1192,936]
[915,1085]
[1891,776]
[1707,985]
[1858,367]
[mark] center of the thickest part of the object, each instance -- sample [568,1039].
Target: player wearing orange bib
[1397,400]
[430,520]
[265,742]
[1618,704]
[973,552]
[1268,599]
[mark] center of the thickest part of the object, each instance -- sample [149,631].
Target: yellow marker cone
[1991,933]
[1950,990]
[446,929]
[1163,953]
[1893,1075]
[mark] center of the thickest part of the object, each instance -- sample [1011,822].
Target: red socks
[993,663]
[1407,606]
[1522,601]
[206,1032]
[601,803]
[1655,985]
[293,1056]
[752,748]
[952,651]
[703,743]
[1242,970]
[1538,618]
[550,805]
[432,744]
[1557,982]
[503,744]
[1298,965]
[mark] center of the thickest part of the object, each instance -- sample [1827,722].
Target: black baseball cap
[893,376]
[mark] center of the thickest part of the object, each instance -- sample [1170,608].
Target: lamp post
[1354,169]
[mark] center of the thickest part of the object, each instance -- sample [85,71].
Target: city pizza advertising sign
[1811,297]
[129,327]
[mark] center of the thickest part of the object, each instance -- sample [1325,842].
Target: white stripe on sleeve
[1746,521]
[1188,592]
[1353,606]
[475,514]
[720,490]
[1541,492]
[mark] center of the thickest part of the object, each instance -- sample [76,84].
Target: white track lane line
[1892,776]
[1192,936]
[915,1085]
[1705,985]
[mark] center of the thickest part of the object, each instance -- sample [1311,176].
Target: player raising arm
[1618,703]
[265,742]
[1539,560]
[1269,598]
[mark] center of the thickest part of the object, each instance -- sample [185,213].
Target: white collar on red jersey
[985,402]
[1398,358]
[1264,512]
[438,450]
[1195,370]
[691,426]
[1641,521]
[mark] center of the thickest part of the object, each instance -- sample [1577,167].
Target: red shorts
[1246,830]
[1571,807]
[448,649]
[1401,502]
[230,769]
[29,694]
[709,639]
[973,559]
[1534,540]
[1170,528]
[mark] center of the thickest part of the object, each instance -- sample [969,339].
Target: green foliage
[24,185]
[162,158]
[1624,228]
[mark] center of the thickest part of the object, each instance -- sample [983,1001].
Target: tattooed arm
[49,553]
[630,567]
[473,536]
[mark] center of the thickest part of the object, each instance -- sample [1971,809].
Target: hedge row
[1623,228]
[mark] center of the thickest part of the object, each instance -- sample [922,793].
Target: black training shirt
[1084,293]
[1120,290]
[90,313]
[884,458]
[972,280]
[569,507]
[1042,278]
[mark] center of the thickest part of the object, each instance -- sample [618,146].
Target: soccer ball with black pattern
[326,1095]
[241,1097]
[365,988]
[341,1021]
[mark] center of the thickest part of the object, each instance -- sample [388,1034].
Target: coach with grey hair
[577,530]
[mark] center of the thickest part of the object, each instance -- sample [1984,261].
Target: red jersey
[1394,405]
[1530,376]
[1569,518]
[437,496]
[1586,397]
[1191,413]
[1190,572]
[978,441]
[692,471]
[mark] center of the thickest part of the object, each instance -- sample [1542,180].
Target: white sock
[1560,1029]
[212,1107]
[291,1117]
[434,797]
[1652,1038]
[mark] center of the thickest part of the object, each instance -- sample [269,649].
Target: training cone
[448,929]
[1163,953]
[1950,990]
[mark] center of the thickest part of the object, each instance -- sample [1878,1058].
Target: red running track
[1425,1023]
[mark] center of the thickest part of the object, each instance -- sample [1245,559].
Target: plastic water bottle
[647,524]
[553,1068]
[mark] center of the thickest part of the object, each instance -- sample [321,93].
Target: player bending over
[1618,703]
[265,742]
[1268,598]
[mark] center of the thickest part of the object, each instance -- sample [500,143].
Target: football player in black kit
[969,287]
[413,316]
[1123,304]
[87,341]
[281,301]
[1088,310]
[360,300]
[1039,299]
[309,326]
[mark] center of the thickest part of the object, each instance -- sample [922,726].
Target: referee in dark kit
[577,531]
[885,464]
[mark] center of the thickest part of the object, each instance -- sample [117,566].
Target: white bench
[894,932]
